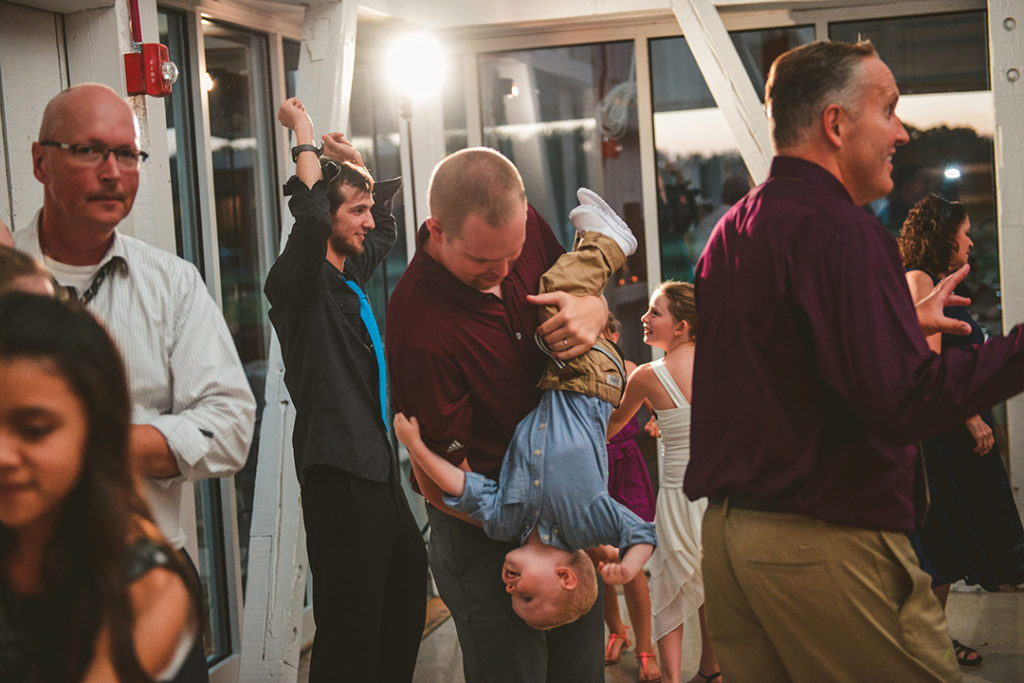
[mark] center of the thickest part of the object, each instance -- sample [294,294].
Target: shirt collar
[115,250]
[441,277]
[810,172]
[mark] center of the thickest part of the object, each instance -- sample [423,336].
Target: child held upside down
[552,494]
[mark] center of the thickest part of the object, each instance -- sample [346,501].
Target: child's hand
[616,572]
[407,429]
[652,427]
[292,115]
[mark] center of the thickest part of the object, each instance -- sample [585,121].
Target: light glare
[952,173]
[416,65]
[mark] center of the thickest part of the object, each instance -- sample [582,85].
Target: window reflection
[210,536]
[700,170]
[245,200]
[566,117]
[180,134]
[454,100]
[940,63]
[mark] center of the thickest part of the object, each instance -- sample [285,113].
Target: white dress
[677,586]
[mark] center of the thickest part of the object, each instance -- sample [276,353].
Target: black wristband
[305,148]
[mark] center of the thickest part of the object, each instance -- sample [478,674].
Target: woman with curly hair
[971,530]
[89,590]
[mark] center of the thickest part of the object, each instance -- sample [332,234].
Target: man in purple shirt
[812,382]
[463,362]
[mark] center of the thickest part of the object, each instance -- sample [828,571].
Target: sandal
[617,642]
[642,674]
[966,655]
[707,677]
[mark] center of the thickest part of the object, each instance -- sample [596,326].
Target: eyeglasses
[94,155]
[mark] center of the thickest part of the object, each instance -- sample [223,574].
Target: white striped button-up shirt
[184,373]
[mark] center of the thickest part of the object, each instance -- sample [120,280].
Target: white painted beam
[326,63]
[1006,45]
[728,81]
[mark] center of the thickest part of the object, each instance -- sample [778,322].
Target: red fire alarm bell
[149,71]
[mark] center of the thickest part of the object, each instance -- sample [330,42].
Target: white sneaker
[594,215]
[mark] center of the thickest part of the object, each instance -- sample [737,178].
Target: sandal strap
[614,638]
[643,657]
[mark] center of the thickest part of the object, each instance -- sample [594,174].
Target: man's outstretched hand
[929,309]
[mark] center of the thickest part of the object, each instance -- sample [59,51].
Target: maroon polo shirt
[462,362]
[812,380]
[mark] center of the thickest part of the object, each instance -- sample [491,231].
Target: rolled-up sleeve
[482,500]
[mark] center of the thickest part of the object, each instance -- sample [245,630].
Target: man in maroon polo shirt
[812,382]
[463,361]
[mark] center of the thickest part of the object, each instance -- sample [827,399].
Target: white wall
[32,71]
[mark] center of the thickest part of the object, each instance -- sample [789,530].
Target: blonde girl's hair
[681,302]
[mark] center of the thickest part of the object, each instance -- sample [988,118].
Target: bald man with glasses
[192,409]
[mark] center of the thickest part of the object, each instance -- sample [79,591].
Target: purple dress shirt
[462,362]
[812,379]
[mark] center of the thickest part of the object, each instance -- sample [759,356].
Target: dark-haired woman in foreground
[972,530]
[89,591]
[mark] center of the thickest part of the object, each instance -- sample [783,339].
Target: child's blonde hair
[571,604]
[681,302]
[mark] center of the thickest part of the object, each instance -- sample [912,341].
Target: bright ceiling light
[415,66]
[952,173]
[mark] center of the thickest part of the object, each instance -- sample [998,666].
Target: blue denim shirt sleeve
[481,499]
[629,529]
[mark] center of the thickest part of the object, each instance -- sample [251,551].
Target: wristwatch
[306,148]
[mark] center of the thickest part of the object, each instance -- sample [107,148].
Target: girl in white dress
[677,587]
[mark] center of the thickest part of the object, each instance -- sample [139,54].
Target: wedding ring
[565,343]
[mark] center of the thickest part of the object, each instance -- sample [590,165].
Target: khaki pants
[791,598]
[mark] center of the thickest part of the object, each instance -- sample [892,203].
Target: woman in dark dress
[971,530]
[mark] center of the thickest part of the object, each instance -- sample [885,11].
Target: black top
[330,364]
[23,629]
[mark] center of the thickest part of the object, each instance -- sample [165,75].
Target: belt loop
[725,505]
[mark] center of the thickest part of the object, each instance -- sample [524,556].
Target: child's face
[43,432]
[659,325]
[533,576]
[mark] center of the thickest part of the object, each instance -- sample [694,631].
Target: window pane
[759,48]
[245,196]
[566,116]
[180,134]
[941,67]
[700,170]
[188,231]
[454,96]
[213,569]
[291,49]
[927,54]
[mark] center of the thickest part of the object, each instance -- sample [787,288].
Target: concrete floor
[993,623]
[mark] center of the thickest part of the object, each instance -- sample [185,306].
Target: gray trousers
[497,646]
